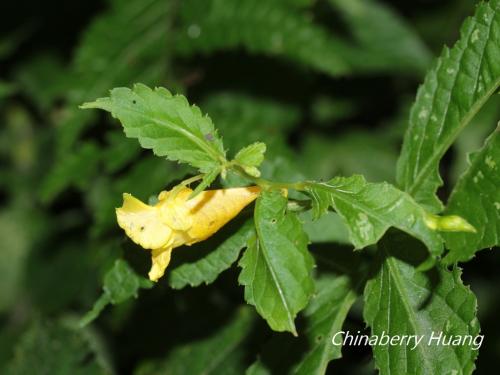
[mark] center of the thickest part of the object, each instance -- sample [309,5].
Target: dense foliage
[375,192]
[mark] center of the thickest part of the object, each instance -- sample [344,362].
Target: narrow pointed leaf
[208,268]
[462,80]
[207,180]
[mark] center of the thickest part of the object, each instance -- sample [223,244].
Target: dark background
[162,319]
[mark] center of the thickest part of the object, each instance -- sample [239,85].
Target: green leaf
[120,284]
[369,209]
[166,124]
[250,157]
[399,300]
[476,197]
[220,259]
[460,83]
[342,275]
[73,170]
[325,316]
[276,267]
[268,28]
[55,348]
[127,44]
[220,354]
[385,39]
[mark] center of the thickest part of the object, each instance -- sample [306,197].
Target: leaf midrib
[271,269]
[216,156]
[424,171]
[335,192]
[398,282]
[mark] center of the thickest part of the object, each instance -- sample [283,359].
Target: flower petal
[160,259]
[142,223]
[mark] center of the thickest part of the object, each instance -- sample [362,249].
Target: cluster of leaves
[66,169]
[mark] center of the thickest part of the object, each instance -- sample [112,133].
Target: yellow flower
[176,220]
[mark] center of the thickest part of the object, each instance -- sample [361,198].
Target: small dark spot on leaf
[134,101]
[319,338]
[273,221]
[209,137]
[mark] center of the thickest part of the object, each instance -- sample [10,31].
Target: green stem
[267,184]
[191,180]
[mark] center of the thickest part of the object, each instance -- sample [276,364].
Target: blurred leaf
[370,209]
[220,354]
[120,284]
[372,155]
[242,119]
[326,110]
[325,317]
[328,228]
[73,170]
[63,275]
[127,44]
[44,79]
[460,83]
[54,349]
[268,28]
[119,151]
[385,38]
[15,248]
[167,124]
[257,368]
[11,41]
[399,300]
[209,267]
[276,267]
[106,193]
[476,197]
[6,89]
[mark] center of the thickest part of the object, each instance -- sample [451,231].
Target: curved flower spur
[177,220]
